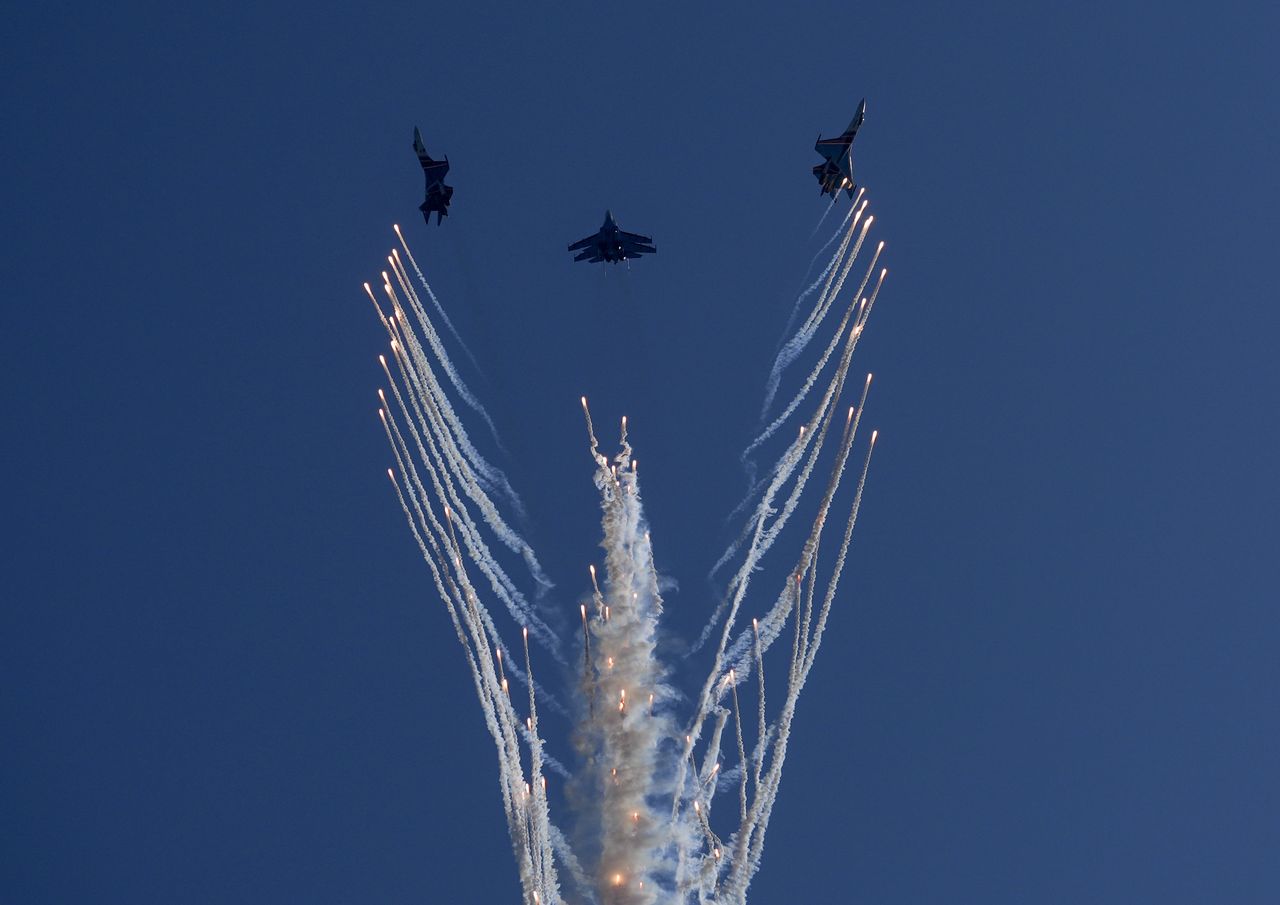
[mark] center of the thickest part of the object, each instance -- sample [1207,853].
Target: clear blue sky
[1053,676]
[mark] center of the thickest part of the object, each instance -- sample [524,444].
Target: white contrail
[417,370]
[839,231]
[860,316]
[495,708]
[728,883]
[741,869]
[751,839]
[770,626]
[761,540]
[566,856]
[446,546]
[443,424]
[444,471]
[792,348]
[444,316]
[437,346]
[803,392]
[491,474]
[405,460]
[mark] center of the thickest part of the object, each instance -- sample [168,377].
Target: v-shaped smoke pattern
[645,779]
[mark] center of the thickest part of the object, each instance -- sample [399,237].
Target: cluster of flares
[645,780]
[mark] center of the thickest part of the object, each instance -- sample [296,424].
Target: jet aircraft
[438,194]
[836,170]
[612,244]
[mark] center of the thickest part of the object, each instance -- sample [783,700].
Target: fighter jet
[438,194]
[836,170]
[612,244]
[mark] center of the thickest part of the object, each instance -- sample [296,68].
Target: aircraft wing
[831,148]
[436,170]
[634,237]
[589,255]
[423,157]
[583,243]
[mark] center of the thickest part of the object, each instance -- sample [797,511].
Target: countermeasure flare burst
[646,778]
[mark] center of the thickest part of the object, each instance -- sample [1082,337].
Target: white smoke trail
[770,625]
[444,472]
[739,866]
[751,836]
[477,471]
[446,546]
[437,346]
[788,353]
[792,348]
[489,473]
[808,290]
[782,470]
[822,219]
[803,392]
[859,316]
[436,422]
[494,706]
[444,315]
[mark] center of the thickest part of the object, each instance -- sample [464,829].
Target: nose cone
[862,108]
[608,218]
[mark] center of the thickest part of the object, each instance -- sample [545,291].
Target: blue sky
[1053,676]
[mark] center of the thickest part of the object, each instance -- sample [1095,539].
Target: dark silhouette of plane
[438,194]
[612,244]
[836,170]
